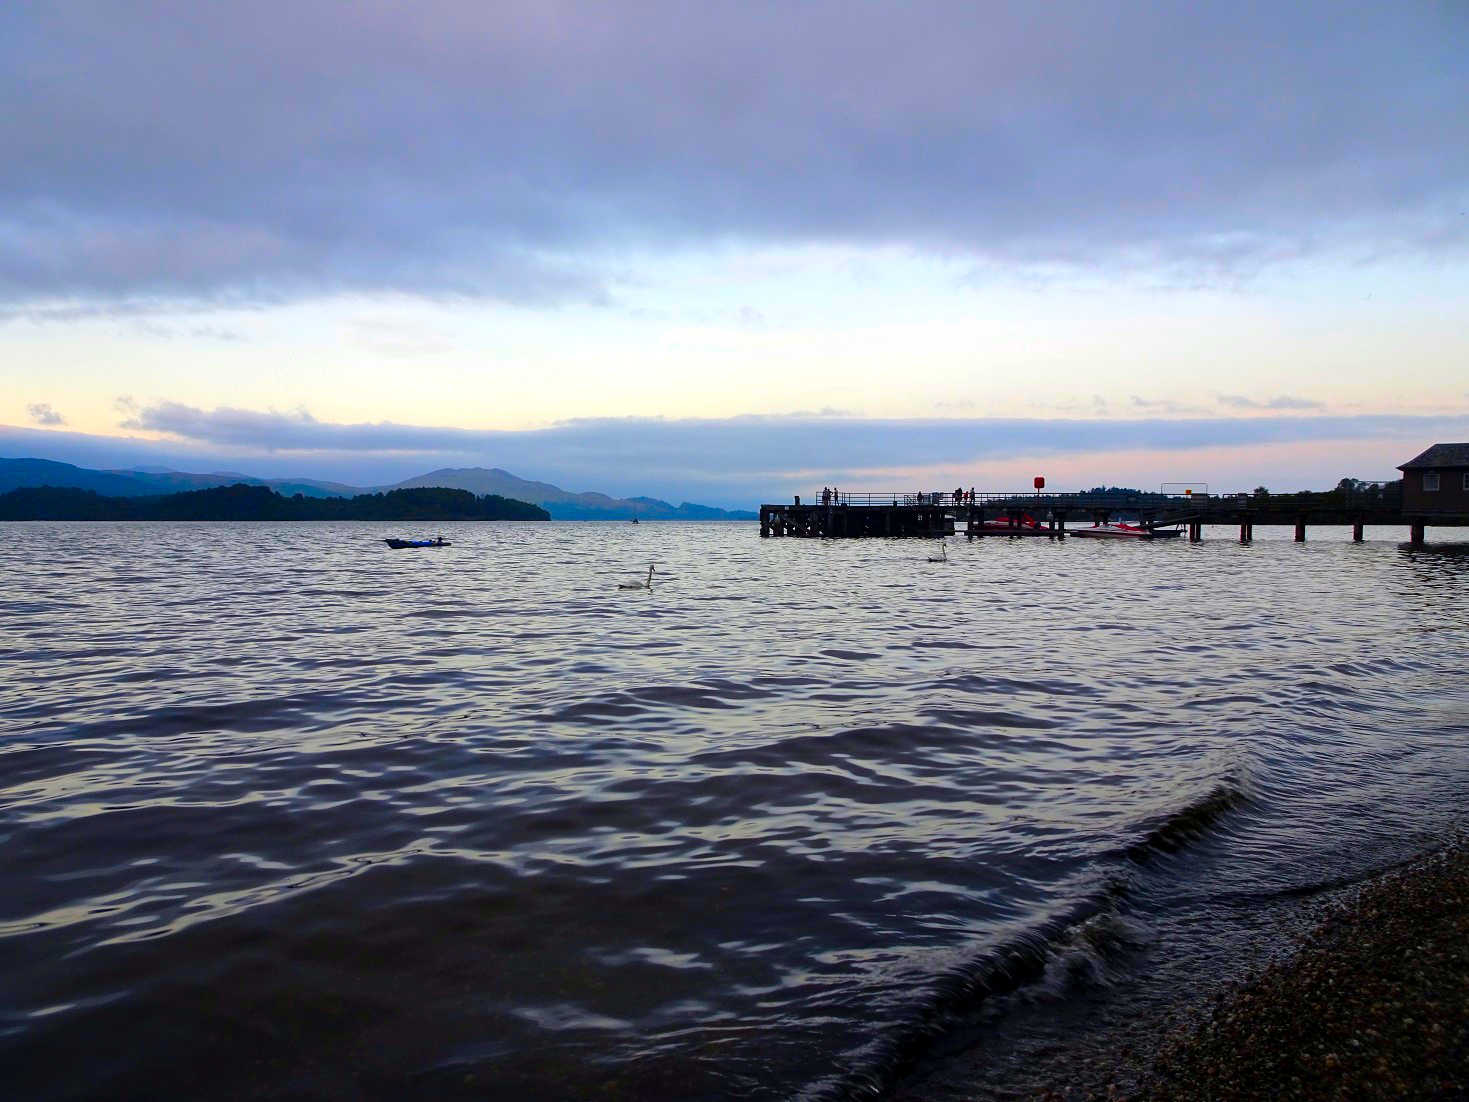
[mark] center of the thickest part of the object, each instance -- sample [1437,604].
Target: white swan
[639,585]
[942,556]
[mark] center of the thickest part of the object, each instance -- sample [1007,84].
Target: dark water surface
[284,813]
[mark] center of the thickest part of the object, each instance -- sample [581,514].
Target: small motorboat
[399,545]
[1119,531]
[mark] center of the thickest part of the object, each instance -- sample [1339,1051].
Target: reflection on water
[286,813]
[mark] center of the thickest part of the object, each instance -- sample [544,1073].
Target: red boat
[1022,525]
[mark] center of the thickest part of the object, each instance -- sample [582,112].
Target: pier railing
[1089,499]
[985,497]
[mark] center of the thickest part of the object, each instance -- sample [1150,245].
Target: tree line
[242,502]
[1347,492]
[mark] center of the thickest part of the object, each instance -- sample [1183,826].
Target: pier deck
[934,515]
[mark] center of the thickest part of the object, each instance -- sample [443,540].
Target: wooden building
[1436,488]
[1437,481]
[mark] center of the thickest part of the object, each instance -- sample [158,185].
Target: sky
[726,252]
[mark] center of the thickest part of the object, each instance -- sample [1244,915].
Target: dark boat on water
[398,545]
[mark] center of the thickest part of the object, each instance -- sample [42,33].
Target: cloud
[41,413]
[157,330]
[398,338]
[751,318]
[1094,406]
[296,431]
[1283,403]
[728,461]
[750,441]
[1153,406]
[518,150]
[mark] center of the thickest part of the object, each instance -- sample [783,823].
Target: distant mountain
[18,473]
[563,504]
[150,481]
[165,481]
[480,481]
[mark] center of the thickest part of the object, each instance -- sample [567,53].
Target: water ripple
[280,807]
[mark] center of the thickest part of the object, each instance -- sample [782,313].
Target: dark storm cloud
[449,147]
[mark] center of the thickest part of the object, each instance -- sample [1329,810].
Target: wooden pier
[903,516]
[934,515]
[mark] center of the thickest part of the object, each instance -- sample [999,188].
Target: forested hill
[241,502]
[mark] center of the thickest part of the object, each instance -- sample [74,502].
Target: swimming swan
[942,556]
[639,585]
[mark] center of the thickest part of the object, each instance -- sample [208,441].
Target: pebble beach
[1373,1003]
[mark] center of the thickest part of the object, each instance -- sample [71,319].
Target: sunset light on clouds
[728,251]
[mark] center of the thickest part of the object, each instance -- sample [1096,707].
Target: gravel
[1373,1004]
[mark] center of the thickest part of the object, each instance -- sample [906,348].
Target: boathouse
[1436,483]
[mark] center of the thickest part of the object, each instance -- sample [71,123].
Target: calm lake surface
[284,813]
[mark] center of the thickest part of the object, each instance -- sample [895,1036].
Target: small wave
[710,695]
[451,612]
[979,717]
[262,714]
[983,683]
[1182,828]
[1090,930]
[886,742]
[592,711]
[1312,887]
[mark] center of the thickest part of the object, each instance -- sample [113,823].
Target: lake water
[284,813]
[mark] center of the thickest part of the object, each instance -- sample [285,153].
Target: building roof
[1440,455]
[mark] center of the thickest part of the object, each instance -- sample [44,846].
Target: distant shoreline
[241,502]
[35,473]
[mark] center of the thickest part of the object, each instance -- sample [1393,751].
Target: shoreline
[1372,1003]
[1332,972]
[1370,999]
